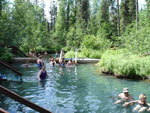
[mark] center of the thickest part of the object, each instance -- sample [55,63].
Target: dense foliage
[122,63]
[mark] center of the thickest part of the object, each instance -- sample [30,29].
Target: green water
[77,89]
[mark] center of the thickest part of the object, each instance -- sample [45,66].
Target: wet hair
[43,67]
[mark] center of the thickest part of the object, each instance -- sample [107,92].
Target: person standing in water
[69,63]
[40,62]
[42,74]
[53,62]
[124,96]
[62,62]
[57,55]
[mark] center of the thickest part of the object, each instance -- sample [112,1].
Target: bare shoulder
[120,95]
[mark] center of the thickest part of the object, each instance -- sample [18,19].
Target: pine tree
[53,14]
[118,17]
[148,8]
[0,7]
[113,18]
[60,27]
[103,20]
[128,13]
[132,10]
[92,25]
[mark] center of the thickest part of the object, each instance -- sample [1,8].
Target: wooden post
[76,55]
[60,56]
[22,100]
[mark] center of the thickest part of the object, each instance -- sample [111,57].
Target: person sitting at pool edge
[142,104]
[42,74]
[124,97]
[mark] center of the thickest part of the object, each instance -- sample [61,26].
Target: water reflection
[75,70]
[61,70]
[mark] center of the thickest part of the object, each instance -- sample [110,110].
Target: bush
[94,46]
[6,55]
[71,54]
[124,63]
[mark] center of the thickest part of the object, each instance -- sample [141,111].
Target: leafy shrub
[125,63]
[71,54]
[94,46]
[5,55]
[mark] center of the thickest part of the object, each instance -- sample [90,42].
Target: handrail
[15,48]
[10,67]
[22,100]
[9,64]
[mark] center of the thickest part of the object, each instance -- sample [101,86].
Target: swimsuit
[39,65]
[144,104]
[43,75]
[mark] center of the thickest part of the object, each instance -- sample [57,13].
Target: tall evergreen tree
[53,14]
[92,25]
[137,14]
[113,17]
[61,25]
[103,20]
[85,11]
[118,17]
[0,7]
[128,13]
[124,14]
[148,8]
[132,10]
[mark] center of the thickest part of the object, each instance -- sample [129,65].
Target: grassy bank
[124,64]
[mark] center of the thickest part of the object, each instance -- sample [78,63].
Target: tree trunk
[68,11]
[0,7]
[136,14]
[36,2]
[118,18]
[48,27]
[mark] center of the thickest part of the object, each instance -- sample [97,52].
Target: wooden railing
[10,67]
[17,50]
[22,100]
